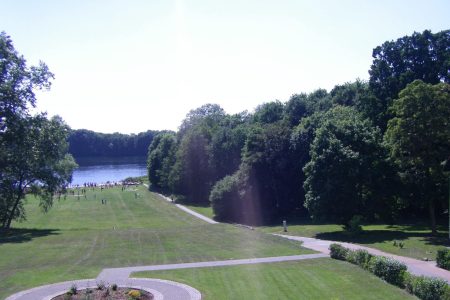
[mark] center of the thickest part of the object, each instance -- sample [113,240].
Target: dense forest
[86,143]
[376,150]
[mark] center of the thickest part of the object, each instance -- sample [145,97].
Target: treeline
[86,143]
[376,150]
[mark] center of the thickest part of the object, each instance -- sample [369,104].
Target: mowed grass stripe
[308,279]
[76,239]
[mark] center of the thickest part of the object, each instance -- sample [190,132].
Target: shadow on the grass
[381,236]
[21,235]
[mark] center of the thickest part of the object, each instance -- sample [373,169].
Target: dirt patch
[107,294]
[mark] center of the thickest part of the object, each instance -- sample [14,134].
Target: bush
[338,252]
[114,287]
[427,288]
[359,257]
[354,226]
[443,259]
[134,294]
[388,269]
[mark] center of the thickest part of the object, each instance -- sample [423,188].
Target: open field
[78,238]
[418,242]
[310,279]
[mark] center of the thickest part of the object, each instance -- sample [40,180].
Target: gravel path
[415,266]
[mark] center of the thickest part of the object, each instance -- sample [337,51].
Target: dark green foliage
[388,269]
[87,143]
[418,137]
[427,288]
[33,149]
[359,257]
[337,251]
[424,56]
[354,226]
[267,113]
[394,272]
[161,157]
[338,184]
[322,151]
[443,258]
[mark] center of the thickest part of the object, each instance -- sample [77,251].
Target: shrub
[101,286]
[359,257]
[354,226]
[114,287]
[388,269]
[427,288]
[73,290]
[443,259]
[337,251]
[134,294]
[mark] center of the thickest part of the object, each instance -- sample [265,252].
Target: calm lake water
[103,169]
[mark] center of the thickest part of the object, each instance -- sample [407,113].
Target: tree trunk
[9,219]
[432,216]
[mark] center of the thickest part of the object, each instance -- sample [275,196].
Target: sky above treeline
[130,66]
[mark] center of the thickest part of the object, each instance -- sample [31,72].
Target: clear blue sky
[129,66]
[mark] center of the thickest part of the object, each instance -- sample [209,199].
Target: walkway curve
[189,211]
[161,289]
[415,266]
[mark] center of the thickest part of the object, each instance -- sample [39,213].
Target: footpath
[170,290]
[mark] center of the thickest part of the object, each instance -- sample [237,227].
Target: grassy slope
[204,210]
[311,279]
[76,239]
[416,238]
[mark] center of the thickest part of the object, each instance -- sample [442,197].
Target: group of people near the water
[79,190]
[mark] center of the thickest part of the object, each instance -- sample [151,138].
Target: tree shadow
[382,236]
[21,235]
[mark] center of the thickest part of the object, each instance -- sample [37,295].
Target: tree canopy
[375,150]
[33,149]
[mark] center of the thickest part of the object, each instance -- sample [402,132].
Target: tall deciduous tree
[33,149]
[419,141]
[344,167]
[424,56]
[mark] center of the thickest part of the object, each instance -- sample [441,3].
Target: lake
[103,169]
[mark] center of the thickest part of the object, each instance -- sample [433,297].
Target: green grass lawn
[310,279]
[78,238]
[204,210]
[418,242]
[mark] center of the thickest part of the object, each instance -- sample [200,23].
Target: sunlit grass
[76,239]
[417,240]
[310,279]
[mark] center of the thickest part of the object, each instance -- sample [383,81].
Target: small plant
[88,291]
[394,243]
[401,245]
[134,294]
[73,290]
[354,226]
[443,259]
[114,287]
[101,286]
[337,251]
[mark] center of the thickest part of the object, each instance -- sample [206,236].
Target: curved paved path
[415,266]
[170,290]
[162,289]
